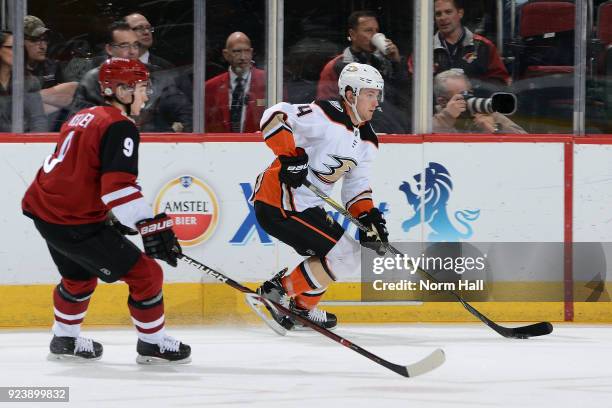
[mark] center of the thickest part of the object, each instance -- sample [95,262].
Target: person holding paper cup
[371,47]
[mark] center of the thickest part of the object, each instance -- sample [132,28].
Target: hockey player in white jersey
[324,142]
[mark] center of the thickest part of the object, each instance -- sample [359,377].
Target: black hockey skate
[273,290]
[168,351]
[320,317]
[74,349]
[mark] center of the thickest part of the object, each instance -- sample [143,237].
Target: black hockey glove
[158,238]
[112,221]
[378,235]
[294,169]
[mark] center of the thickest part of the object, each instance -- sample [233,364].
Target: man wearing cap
[55,92]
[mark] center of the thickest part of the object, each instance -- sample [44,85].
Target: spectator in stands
[362,26]
[56,93]
[451,109]
[34,119]
[121,42]
[235,100]
[143,29]
[167,110]
[455,46]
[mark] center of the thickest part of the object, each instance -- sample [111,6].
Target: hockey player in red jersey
[324,141]
[92,171]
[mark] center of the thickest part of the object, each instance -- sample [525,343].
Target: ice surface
[253,367]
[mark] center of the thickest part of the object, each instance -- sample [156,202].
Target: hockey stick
[431,362]
[523,332]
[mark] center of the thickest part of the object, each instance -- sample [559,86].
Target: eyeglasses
[125,46]
[141,29]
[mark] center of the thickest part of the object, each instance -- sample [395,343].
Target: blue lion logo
[436,192]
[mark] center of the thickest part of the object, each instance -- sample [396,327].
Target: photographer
[452,113]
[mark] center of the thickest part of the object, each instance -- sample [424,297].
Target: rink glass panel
[76,42]
[222,19]
[599,68]
[315,32]
[536,48]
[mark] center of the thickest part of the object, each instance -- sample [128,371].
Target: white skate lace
[83,344]
[169,343]
[285,301]
[317,315]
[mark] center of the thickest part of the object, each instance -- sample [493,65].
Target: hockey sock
[148,318]
[70,302]
[309,300]
[307,276]
[146,302]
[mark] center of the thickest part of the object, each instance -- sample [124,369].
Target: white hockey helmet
[357,76]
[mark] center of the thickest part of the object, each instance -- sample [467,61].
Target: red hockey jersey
[92,170]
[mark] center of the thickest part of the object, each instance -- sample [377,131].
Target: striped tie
[237,102]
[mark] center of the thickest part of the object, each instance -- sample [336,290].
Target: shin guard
[70,303]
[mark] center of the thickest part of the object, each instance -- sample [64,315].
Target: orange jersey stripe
[313,228]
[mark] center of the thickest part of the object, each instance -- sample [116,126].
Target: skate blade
[252,300]
[150,360]
[70,358]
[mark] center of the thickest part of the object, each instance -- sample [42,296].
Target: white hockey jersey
[336,150]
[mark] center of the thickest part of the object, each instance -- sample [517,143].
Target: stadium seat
[604,23]
[543,67]
[547,38]
[604,35]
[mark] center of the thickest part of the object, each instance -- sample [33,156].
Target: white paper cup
[379,41]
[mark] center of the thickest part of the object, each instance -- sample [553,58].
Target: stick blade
[533,330]
[434,360]
[429,363]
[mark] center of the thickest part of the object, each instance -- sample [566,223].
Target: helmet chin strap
[128,107]
[354,108]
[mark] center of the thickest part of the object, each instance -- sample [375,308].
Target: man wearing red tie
[235,100]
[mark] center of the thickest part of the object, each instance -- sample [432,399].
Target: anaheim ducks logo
[335,171]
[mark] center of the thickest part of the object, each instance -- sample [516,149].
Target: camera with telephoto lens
[500,102]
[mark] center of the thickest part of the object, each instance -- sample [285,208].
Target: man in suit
[144,31]
[235,100]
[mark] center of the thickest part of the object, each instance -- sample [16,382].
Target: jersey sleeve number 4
[303,110]
[51,161]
